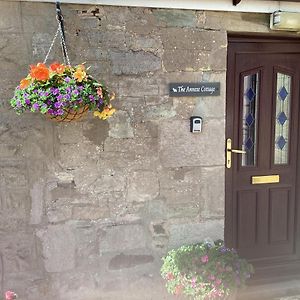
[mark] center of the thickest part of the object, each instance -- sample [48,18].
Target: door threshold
[278,290]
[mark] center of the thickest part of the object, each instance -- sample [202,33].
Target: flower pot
[70,115]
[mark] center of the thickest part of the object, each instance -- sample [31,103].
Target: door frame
[230,116]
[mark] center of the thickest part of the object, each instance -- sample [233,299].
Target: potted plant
[9,295]
[205,271]
[62,93]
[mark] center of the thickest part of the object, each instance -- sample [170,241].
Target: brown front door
[262,117]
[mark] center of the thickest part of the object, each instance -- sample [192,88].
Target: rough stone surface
[129,261]
[197,150]
[134,62]
[58,248]
[181,234]
[87,209]
[125,237]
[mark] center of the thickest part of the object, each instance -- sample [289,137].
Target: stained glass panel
[282,124]
[250,113]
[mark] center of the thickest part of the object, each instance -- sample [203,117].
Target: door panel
[262,120]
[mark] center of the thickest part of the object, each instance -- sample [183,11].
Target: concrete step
[280,290]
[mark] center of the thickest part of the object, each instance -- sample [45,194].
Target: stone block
[96,131]
[122,238]
[37,203]
[138,88]
[146,129]
[192,39]
[90,213]
[123,261]
[144,43]
[212,191]
[58,244]
[162,111]
[70,133]
[107,183]
[18,253]
[175,17]
[178,147]
[106,39]
[59,213]
[133,63]
[10,17]
[194,61]
[238,22]
[14,50]
[184,234]
[143,186]
[120,125]
[136,146]
[180,185]
[87,246]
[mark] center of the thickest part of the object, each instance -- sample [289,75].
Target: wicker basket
[71,115]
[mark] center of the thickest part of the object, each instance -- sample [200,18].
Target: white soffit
[223,5]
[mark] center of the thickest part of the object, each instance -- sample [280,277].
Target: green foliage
[204,271]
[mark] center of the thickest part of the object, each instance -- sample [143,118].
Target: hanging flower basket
[62,93]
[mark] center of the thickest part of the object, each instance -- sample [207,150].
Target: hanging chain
[51,46]
[60,30]
[63,44]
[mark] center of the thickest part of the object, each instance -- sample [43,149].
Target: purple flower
[80,87]
[92,98]
[67,79]
[57,104]
[51,111]
[55,91]
[60,112]
[59,97]
[35,106]
[35,91]
[75,92]
[18,103]
[41,94]
[27,101]
[68,89]
[67,97]
[46,94]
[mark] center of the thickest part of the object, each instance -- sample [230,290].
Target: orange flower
[80,73]
[24,83]
[39,72]
[57,68]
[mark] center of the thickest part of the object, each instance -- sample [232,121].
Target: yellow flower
[106,113]
[80,73]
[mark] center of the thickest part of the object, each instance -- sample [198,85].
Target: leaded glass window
[282,124]
[250,114]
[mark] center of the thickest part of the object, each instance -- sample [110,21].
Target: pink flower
[193,281]
[218,281]
[204,259]
[9,295]
[211,277]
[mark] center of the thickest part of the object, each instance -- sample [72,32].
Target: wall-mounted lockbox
[196,124]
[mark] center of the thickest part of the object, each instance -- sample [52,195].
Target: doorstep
[282,290]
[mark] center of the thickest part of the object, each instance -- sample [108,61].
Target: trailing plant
[205,271]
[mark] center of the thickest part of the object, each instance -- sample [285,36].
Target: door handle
[229,152]
[238,151]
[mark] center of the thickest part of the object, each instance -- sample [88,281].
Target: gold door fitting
[265,179]
[229,152]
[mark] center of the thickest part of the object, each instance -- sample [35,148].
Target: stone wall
[88,209]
